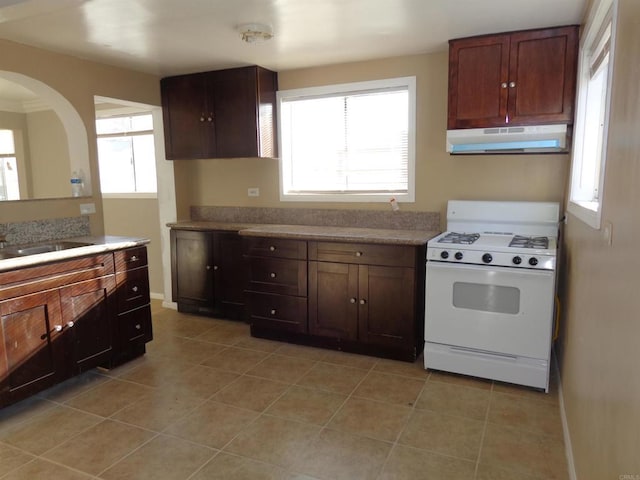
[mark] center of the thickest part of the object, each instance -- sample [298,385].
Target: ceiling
[167,37]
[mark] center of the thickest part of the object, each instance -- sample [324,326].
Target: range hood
[524,139]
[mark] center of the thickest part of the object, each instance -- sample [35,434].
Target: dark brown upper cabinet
[220,114]
[517,78]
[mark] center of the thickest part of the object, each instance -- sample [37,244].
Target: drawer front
[25,281]
[135,326]
[132,289]
[281,312]
[359,253]
[274,247]
[277,275]
[130,258]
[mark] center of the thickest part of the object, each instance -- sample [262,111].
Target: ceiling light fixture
[255,32]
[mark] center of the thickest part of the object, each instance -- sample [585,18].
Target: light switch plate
[253,192]
[87,208]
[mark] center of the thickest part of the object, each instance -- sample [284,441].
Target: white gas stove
[490,291]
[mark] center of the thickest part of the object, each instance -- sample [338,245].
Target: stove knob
[458,255]
[444,255]
[487,258]
[517,260]
[533,261]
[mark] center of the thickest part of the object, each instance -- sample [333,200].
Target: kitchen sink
[21,251]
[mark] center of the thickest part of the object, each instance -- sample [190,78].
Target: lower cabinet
[355,297]
[207,273]
[63,318]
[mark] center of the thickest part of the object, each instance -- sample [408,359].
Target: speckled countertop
[98,244]
[312,232]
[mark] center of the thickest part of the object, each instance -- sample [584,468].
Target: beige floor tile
[512,451]
[232,467]
[252,393]
[182,324]
[43,470]
[349,359]
[237,360]
[99,447]
[307,405]
[454,400]
[73,387]
[372,419]
[159,410]
[333,378]
[187,350]
[394,389]
[259,344]
[444,434]
[48,430]
[201,382]
[462,380]
[157,370]
[342,456]
[108,398]
[23,411]
[407,463]
[163,458]
[529,392]
[212,424]
[225,334]
[10,459]
[493,472]
[281,368]
[273,440]
[301,351]
[537,416]
[407,369]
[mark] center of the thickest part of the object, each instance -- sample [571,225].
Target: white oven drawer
[503,310]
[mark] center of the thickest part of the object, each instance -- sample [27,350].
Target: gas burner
[521,241]
[465,238]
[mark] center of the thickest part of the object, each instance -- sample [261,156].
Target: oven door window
[486,298]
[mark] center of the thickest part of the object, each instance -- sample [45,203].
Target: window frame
[132,133]
[342,89]
[590,211]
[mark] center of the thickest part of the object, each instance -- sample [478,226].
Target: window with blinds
[595,73]
[350,142]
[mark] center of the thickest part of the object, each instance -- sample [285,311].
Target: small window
[9,187]
[594,92]
[126,154]
[349,142]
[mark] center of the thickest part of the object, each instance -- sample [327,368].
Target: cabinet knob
[358,254]
[362,301]
[209,119]
[272,275]
[512,84]
[503,85]
[134,289]
[273,311]
[215,267]
[208,267]
[70,324]
[352,300]
[202,118]
[134,258]
[138,327]
[58,328]
[272,248]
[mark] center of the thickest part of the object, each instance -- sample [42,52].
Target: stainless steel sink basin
[24,250]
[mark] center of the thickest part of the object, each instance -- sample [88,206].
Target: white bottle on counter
[76,185]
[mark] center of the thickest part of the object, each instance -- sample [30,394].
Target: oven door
[493,309]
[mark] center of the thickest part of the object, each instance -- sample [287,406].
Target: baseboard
[156,296]
[171,305]
[568,449]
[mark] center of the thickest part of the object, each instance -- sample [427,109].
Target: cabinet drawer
[278,311]
[132,289]
[275,247]
[135,257]
[277,275]
[135,326]
[391,255]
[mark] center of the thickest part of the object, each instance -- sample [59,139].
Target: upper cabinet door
[478,70]
[542,76]
[188,115]
[518,78]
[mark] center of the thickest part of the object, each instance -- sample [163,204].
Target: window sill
[347,198]
[587,212]
[132,195]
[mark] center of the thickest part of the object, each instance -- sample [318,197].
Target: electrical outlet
[253,191]
[87,208]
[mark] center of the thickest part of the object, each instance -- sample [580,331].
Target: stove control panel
[500,259]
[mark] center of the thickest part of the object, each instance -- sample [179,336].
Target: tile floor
[210,402]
